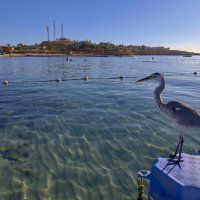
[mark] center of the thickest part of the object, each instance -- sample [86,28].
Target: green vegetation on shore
[67,46]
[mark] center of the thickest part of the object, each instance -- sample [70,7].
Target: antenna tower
[54,30]
[48,33]
[62,30]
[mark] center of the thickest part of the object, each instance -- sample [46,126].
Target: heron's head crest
[155,75]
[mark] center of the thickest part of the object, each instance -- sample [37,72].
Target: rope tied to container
[140,183]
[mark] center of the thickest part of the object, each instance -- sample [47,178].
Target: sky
[169,23]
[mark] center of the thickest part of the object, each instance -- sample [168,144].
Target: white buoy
[5,82]
[85,78]
[58,80]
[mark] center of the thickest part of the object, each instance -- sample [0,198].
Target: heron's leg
[177,146]
[181,142]
[172,156]
[178,161]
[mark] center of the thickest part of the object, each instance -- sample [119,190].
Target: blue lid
[187,175]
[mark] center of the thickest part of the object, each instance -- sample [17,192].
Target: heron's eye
[174,109]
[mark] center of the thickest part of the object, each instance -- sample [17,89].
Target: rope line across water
[85,78]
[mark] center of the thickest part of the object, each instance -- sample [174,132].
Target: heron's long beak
[144,79]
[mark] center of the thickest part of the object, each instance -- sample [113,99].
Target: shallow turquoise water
[87,140]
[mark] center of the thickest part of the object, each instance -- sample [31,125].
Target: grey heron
[180,113]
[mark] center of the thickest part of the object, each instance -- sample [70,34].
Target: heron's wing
[183,113]
[178,106]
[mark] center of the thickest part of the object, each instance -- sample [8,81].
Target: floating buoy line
[85,78]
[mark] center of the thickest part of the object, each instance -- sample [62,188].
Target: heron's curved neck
[158,93]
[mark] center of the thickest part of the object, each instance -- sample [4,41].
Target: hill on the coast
[67,46]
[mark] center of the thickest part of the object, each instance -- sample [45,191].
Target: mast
[61,30]
[48,33]
[54,30]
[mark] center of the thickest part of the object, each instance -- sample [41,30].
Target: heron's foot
[172,157]
[175,162]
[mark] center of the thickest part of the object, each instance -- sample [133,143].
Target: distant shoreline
[86,55]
